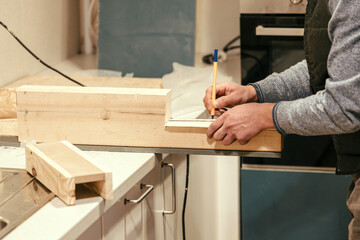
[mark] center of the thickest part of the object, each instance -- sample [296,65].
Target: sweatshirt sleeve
[336,109]
[288,85]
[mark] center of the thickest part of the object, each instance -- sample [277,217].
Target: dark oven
[271,34]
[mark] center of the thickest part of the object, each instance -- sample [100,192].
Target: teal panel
[292,205]
[145,37]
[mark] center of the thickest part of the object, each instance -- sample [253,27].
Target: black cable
[227,46]
[209,59]
[37,58]
[185,195]
[231,48]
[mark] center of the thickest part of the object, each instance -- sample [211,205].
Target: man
[318,96]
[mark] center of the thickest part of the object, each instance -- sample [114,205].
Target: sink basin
[20,196]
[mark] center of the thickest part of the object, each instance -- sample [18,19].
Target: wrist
[268,115]
[252,94]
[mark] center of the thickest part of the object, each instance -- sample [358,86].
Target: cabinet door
[173,222]
[122,221]
[153,205]
[293,205]
[137,221]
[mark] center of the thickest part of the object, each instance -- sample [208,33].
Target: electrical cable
[185,194]
[37,58]
[227,46]
[209,59]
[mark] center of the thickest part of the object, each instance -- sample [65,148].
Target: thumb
[223,102]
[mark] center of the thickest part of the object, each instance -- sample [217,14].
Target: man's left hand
[242,123]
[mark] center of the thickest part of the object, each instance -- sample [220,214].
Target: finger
[243,142]
[243,139]
[220,111]
[221,88]
[219,134]
[228,139]
[207,99]
[224,101]
[214,127]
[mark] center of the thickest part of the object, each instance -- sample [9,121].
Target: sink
[21,195]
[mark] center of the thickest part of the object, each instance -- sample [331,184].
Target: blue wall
[145,37]
[293,205]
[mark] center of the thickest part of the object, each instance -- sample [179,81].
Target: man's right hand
[229,94]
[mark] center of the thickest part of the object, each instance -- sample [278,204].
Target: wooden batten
[117,117]
[60,166]
[8,127]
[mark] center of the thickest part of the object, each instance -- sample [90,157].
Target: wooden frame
[61,165]
[115,116]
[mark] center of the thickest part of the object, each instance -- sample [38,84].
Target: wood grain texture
[115,116]
[55,178]
[7,103]
[60,166]
[8,127]
[88,81]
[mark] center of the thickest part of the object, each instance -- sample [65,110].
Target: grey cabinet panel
[294,205]
[145,37]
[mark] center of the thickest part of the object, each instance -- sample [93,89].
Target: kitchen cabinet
[144,220]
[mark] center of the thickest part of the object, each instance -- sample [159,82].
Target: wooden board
[7,103]
[88,81]
[115,116]
[185,124]
[60,166]
[8,92]
[8,127]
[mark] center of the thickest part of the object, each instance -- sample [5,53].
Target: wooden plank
[72,162]
[60,166]
[184,124]
[8,127]
[7,103]
[112,116]
[92,99]
[50,174]
[89,81]
[104,188]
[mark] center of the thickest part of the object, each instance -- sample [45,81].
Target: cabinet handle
[163,164]
[150,188]
[270,31]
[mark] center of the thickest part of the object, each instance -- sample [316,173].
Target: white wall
[49,28]
[217,22]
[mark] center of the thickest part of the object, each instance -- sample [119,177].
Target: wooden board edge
[62,184]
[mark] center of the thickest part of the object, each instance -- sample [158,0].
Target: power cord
[209,59]
[37,58]
[185,195]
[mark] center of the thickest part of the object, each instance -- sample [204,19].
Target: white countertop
[57,220]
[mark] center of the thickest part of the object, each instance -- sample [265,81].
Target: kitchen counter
[56,220]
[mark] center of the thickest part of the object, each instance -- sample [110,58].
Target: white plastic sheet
[188,85]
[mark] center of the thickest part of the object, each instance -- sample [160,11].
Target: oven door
[273,43]
[269,43]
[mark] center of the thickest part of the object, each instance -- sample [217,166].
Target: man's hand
[229,94]
[242,123]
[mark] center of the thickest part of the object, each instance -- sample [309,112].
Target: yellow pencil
[213,96]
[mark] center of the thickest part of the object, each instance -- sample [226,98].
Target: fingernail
[216,104]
